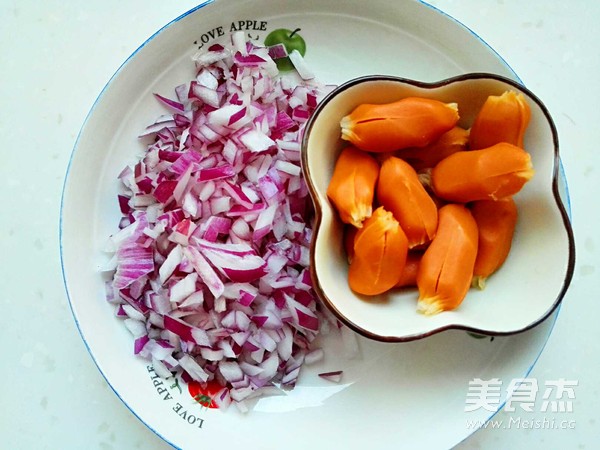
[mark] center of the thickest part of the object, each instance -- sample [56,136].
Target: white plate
[411,393]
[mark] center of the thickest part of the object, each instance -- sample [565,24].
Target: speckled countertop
[56,56]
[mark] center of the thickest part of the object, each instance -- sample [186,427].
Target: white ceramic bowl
[526,289]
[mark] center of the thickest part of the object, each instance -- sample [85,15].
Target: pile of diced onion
[211,261]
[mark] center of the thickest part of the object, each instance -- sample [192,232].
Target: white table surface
[55,57]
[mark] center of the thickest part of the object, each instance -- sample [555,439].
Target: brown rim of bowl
[555,191]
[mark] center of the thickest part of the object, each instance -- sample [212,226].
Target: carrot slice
[488,174]
[502,118]
[446,269]
[496,221]
[349,235]
[408,277]
[400,191]
[450,142]
[380,249]
[410,122]
[352,186]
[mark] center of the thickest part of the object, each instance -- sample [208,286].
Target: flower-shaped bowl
[522,293]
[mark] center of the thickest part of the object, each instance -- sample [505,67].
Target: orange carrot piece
[502,118]
[446,269]
[349,235]
[408,277]
[488,174]
[400,191]
[352,186]
[410,122]
[380,249]
[450,142]
[496,221]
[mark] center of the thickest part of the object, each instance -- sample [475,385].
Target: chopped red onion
[211,262]
[170,103]
[277,51]
[300,65]
[336,376]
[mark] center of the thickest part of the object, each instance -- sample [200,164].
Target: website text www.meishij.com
[520,423]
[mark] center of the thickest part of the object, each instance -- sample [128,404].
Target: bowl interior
[532,280]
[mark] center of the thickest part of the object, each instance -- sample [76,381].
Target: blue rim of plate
[91,111]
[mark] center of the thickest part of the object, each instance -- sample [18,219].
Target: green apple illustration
[291,40]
